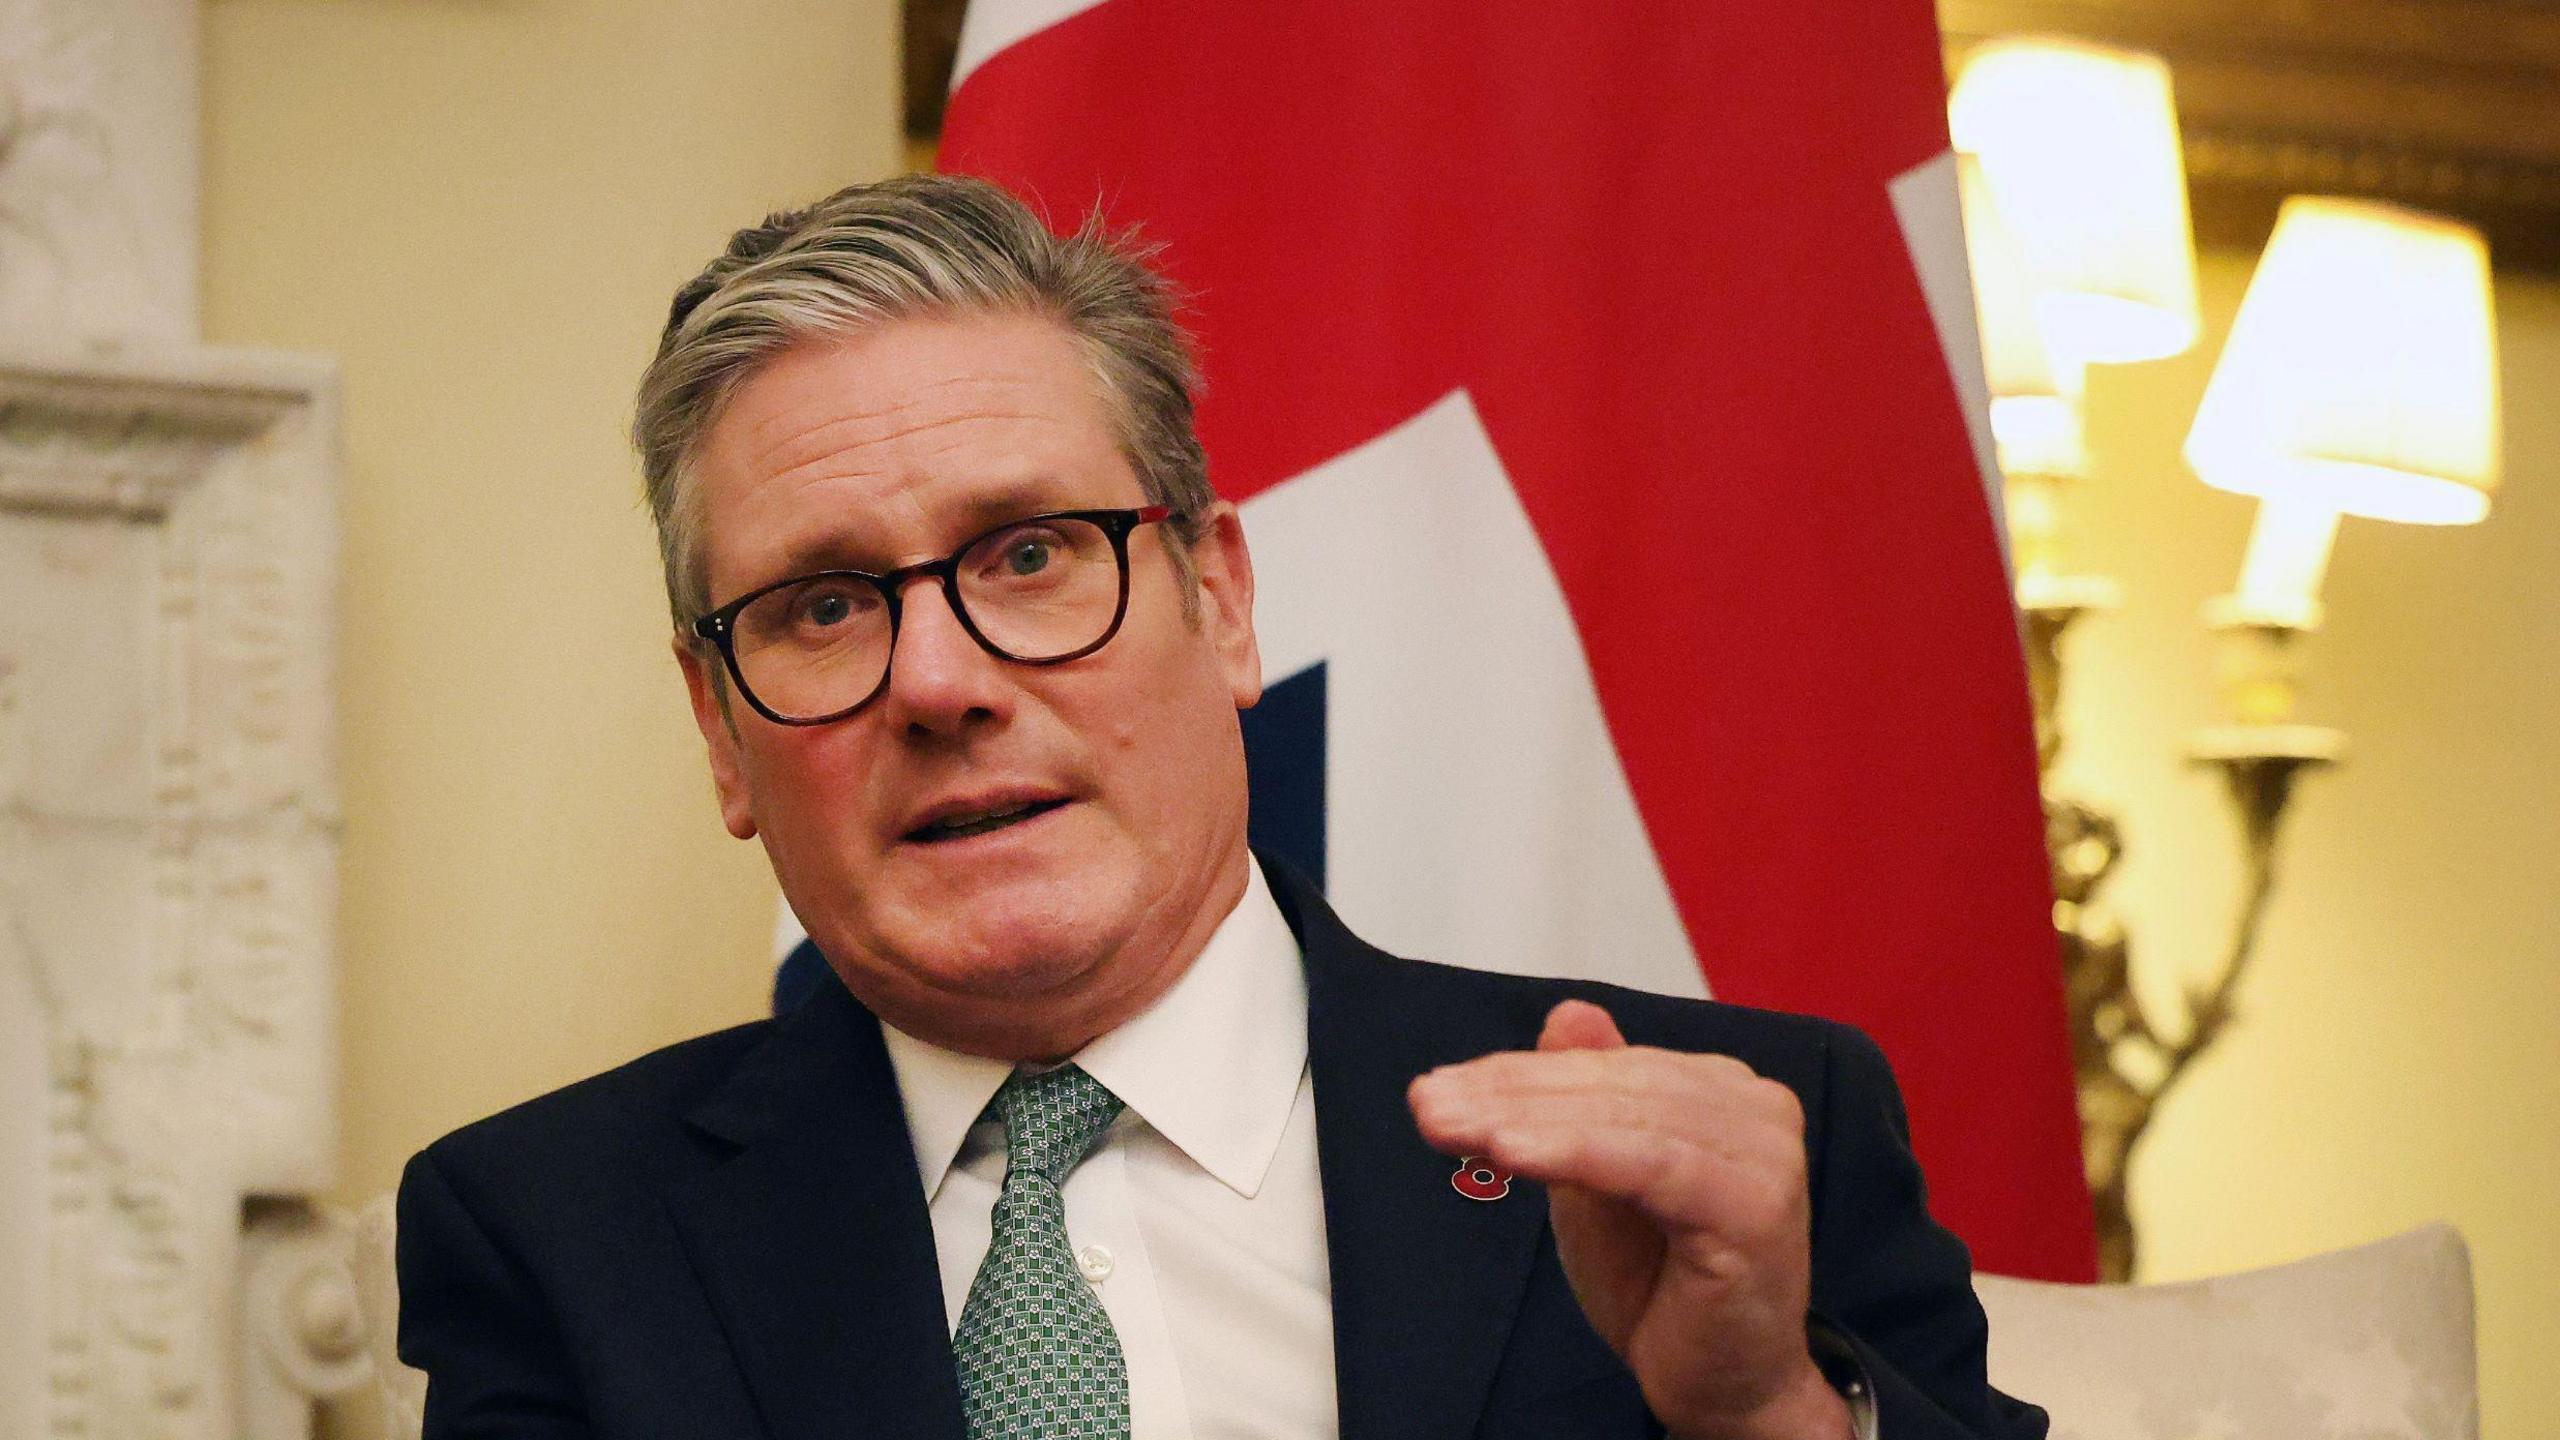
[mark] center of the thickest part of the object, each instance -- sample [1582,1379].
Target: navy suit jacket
[728,1238]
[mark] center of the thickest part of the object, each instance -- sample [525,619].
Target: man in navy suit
[1110,1127]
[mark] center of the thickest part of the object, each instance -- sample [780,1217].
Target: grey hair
[916,245]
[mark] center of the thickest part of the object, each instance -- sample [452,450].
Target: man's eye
[824,607]
[1029,555]
[1026,552]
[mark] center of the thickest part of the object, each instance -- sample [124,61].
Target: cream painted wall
[482,208]
[2392,1060]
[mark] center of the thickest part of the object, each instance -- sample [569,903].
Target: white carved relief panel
[168,839]
[98,169]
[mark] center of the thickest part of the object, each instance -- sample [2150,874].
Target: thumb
[1580,1025]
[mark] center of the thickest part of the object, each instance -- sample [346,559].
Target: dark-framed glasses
[1041,590]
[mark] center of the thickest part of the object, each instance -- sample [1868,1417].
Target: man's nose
[940,678]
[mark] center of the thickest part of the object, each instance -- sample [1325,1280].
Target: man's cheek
[804,781]
[1112,720]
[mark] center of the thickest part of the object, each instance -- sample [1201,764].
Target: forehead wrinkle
[1027,390]
[819,436]
[828,461]
[995,487]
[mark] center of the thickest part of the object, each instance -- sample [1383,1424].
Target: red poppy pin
[1478,1178]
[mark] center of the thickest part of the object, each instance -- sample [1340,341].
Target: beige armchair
[2372,1343]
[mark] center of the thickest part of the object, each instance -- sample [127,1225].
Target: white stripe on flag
[994,24]
[1926,203]
[1475,809]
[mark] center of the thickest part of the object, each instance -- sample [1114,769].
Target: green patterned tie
[1037,1356]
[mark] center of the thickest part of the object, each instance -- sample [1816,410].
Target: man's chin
[944,950]
[1015,943]
[1019,967]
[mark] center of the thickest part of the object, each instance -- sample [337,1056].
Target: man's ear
[1226,602]
[719,735]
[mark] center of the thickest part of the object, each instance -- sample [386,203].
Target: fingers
[1579,1025]
[1692,1140]
[1631,1086]
[1682,1169]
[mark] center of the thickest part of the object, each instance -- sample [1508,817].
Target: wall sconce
[2078,144]
[2359,379]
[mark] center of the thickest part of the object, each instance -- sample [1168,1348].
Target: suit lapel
[1426,1282]
[813,1241]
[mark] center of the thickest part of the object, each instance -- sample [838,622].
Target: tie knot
[1053,1120]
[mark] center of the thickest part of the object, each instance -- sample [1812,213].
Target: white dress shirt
[1198,1220]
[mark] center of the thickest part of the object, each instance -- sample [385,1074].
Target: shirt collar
[1237,1017]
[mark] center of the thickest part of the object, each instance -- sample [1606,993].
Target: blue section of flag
[1284,765]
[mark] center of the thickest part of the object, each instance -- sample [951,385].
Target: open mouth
[981,822]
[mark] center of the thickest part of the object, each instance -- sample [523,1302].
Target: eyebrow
[982,512]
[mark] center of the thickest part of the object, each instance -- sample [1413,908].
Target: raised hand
[1677,1188]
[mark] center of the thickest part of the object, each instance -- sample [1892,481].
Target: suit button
[1095,1262]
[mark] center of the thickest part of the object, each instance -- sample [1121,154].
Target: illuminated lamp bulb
[2079,145]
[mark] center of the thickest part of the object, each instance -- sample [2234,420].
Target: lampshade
[2079,145]
[2361,373]
[2035,398]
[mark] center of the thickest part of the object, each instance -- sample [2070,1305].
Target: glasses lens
[1043,588]
[814,648]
